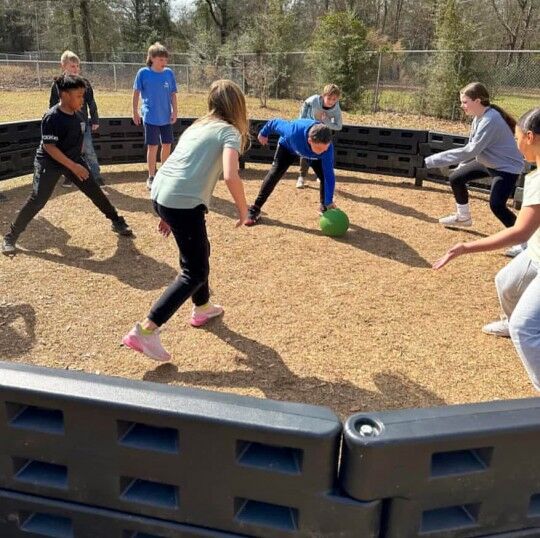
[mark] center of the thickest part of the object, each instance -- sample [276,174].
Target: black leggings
[282,160]
[188,227]
[46,175]
[502,186]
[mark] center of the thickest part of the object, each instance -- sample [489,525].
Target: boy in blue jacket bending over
[299,138]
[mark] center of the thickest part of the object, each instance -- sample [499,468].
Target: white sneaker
[300,182]
[497,328]
[512,252]
[149,182]
[150,344]
[201,316]
[456,220]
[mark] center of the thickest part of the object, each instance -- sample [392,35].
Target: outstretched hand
[163,228]
[263,140]
[454,252]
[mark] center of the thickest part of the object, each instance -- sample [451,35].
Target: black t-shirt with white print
[65,131]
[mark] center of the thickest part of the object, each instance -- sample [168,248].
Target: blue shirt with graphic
[156,89]
[293,136]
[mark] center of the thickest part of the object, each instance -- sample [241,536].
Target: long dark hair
[476,90]
[530,121]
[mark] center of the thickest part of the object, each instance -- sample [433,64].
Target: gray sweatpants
[518,287]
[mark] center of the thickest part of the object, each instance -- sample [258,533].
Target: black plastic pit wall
[86,456]
[373,150]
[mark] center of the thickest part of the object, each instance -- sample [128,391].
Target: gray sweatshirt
[491,143]
[313,107]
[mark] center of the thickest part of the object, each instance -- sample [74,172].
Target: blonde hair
[157,49]
[227,102]
[69,56]
[332,89]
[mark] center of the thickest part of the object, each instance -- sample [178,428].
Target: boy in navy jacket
[299,138]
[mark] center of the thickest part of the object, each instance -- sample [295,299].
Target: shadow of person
[17,329]
[464,230]
[388,205]
[376,243]
[127,263]
[125,202]
[263,368]
[114,177]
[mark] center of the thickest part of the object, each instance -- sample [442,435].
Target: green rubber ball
[334,222]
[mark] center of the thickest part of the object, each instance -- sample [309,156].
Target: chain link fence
[396,81]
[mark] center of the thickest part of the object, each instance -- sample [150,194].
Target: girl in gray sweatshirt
[491,151]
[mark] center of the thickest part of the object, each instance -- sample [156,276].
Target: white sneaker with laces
[497,328]
[456,220]
[300,182]
[512,252]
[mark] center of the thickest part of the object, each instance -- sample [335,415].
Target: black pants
[46,175]
[282,160]
[502,186]
[188,227]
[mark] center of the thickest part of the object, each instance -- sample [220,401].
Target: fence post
[187,78]
[244,73]
[375,105]
[38,75]
[114,76]
[458,73]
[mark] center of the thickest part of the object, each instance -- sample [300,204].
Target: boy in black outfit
[71,65]
[62,132]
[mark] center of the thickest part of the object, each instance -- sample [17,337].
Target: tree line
[337,32]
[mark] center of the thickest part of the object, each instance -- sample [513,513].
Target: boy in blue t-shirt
[299,138]
[156,85]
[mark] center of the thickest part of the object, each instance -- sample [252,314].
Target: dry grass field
[24,105]
[357,323]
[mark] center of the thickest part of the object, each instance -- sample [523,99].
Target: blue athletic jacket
[293,136]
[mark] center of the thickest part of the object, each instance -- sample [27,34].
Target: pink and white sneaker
[149,344]
[201,315]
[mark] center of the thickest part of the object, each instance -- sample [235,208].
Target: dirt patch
[359,323]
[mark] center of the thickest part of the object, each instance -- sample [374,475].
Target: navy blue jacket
[293,136]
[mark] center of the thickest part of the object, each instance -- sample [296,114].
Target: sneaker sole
[464,224]
[201,322]
[252,222]
[128,342]
[500,335]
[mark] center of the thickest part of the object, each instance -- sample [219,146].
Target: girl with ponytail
[491,151]
[518,284]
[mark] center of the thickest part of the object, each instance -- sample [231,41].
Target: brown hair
[476,90]
[227,102]
[157,49]
[332,89]
[320,133]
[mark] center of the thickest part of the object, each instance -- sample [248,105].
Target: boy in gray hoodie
[325,109]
